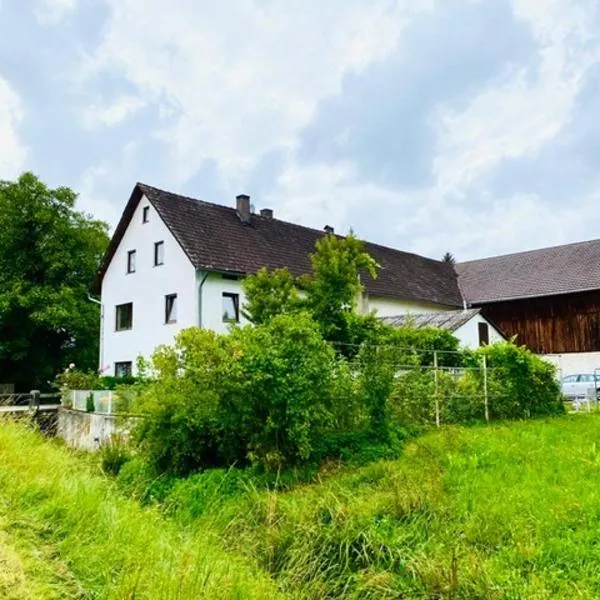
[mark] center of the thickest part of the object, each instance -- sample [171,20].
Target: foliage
[262,394]
[502,511]
[181,431]
[89,403]
[114,454]
[279,396]
[520,384]
[49,254]
[335,285]
[106,545]
[449,258]
[269,294]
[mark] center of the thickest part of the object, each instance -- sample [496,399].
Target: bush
[262,394]
[520,384]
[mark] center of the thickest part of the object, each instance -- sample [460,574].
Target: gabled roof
[449,320]
[546,272]
[214,238]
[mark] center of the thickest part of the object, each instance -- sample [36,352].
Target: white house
[175,262]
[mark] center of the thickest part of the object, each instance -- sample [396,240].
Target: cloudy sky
[464,125]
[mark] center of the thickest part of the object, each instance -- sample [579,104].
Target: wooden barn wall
[553,324]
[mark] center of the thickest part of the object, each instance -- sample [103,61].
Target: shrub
[279,393]
[89,403]
[113,455]
[520,384]
[262,394]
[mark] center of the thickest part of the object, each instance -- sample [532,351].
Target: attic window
[131,261]
[159,253]
[145,214]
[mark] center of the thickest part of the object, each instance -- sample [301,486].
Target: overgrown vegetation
[102,544]
[502,511]
[313,379]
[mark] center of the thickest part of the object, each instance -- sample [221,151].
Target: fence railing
[98,401]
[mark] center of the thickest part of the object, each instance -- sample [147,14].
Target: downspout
[99,303]
[202,281]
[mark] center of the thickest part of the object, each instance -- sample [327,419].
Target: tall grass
[509,511]
[112,547]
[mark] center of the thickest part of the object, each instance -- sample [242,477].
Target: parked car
[577,386]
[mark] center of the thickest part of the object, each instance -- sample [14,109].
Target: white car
[580,386]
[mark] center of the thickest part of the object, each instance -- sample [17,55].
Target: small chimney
[328,229]
[242,204]
[267,213]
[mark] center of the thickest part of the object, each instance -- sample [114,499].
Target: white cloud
[12,151]
[519,222]
[244,77]
[515,116]
[112,113]
[52,12]
[319,195]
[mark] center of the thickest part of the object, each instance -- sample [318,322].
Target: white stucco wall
[212,300]
[574,362]
[146,289]
[468,334]
[390,307]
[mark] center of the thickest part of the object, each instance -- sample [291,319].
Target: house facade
[176,262]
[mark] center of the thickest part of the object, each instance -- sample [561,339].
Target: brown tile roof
[546,272]
[214,238]
[449,320]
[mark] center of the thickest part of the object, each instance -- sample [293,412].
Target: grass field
[66,533]
[505,511]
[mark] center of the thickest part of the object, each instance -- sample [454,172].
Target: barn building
[548,298]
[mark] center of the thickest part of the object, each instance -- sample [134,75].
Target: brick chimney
[242,204]
[267,213]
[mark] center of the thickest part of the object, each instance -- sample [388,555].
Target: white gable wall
[468,334]
[146,289]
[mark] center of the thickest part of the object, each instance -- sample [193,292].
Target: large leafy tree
[49,253]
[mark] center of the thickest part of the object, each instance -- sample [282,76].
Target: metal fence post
[437,387]
[485,388]
[34,400]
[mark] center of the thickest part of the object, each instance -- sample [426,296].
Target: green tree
[335,284]
[49,253]
[449,258]
[269,294]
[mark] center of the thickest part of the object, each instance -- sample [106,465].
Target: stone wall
[87,430]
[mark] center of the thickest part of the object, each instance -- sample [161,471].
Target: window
[145,213]
[131,261]
[484,334]
[231,308]
[171,308]
[124,318]
[123,369]
[570,379]
[159,253]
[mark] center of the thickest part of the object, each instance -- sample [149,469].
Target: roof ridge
[142,185]
[533,251]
